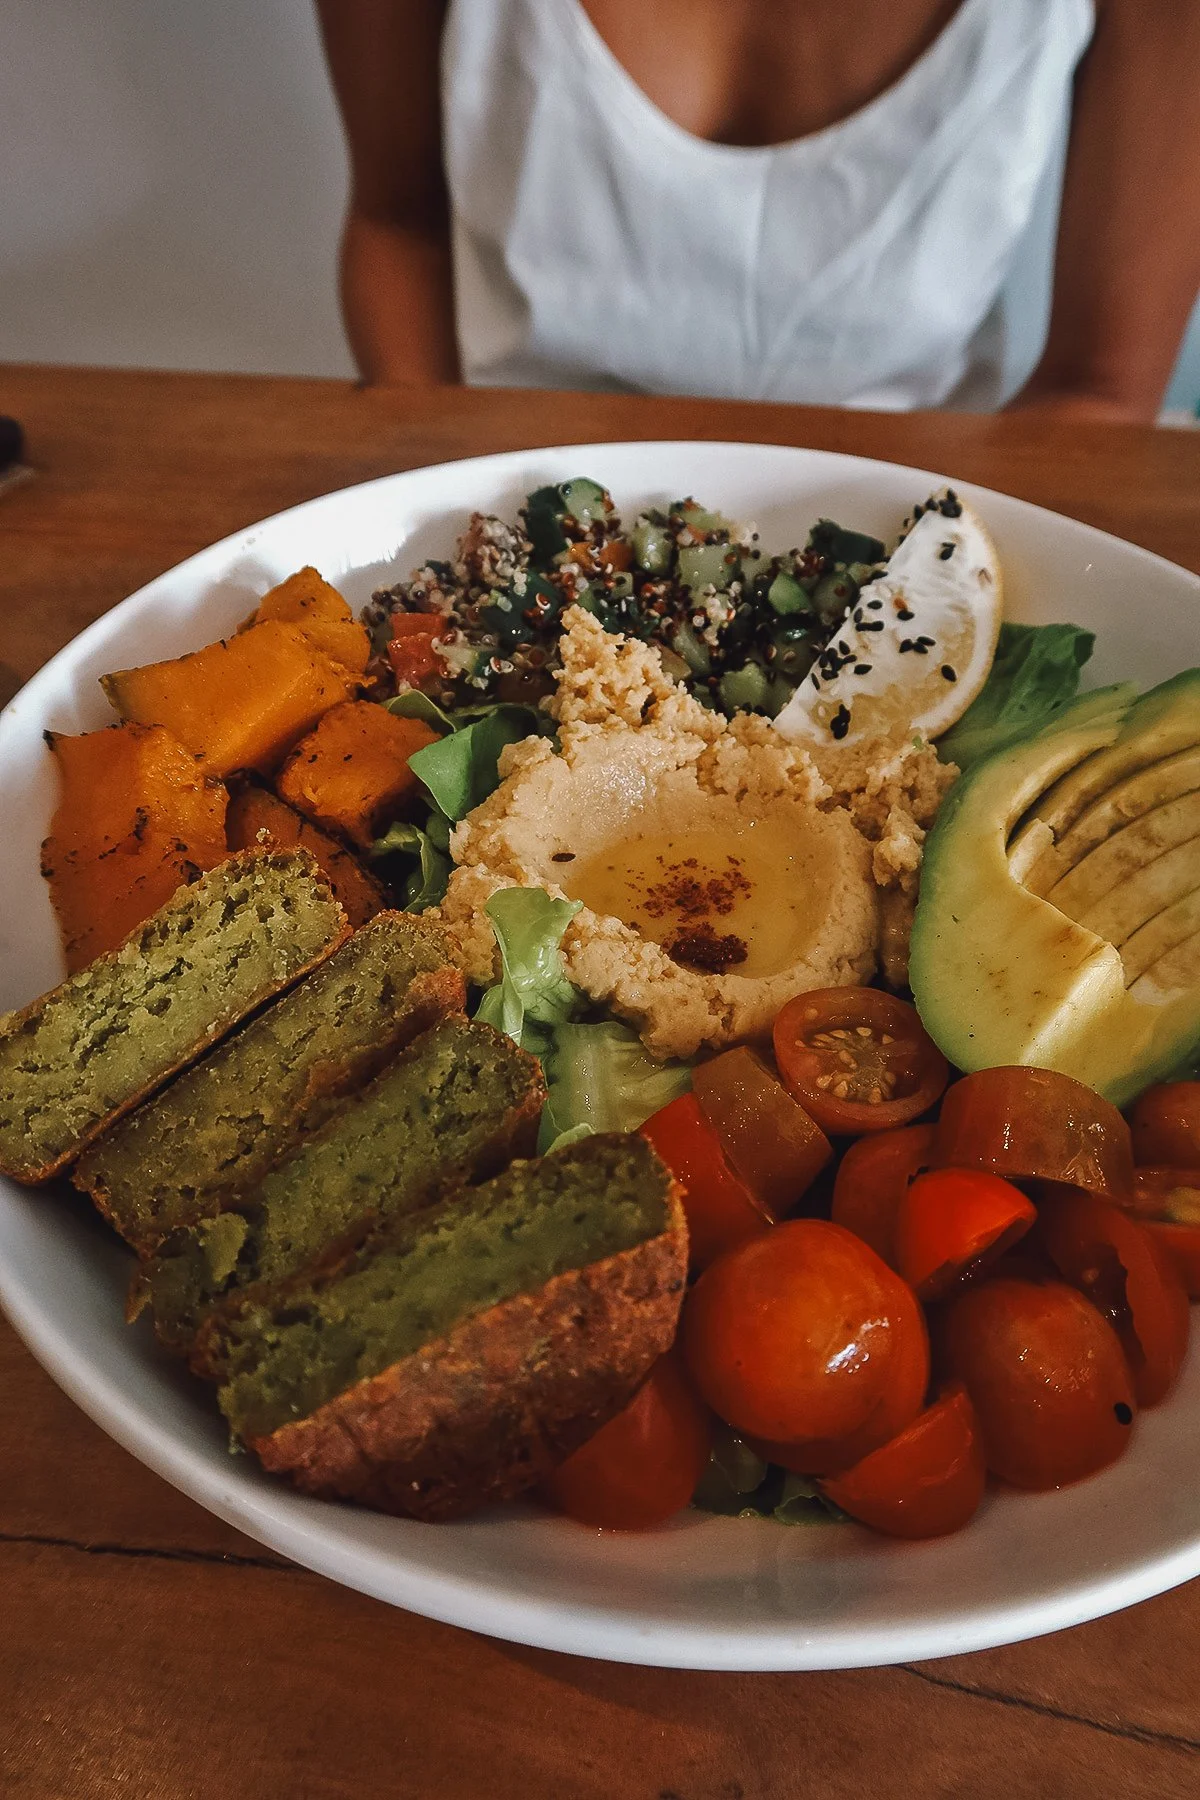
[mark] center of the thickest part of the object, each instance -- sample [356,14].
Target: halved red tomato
[1030,1124]
[902,1399]
[772,1143]
[952,1220]
[721,1211]
[857,1059]
[1165,1123]
[1127,1276]
[1047,1378]
[792,1334]
[1166,1203]
[643,1466]
[926,1481]
[872,1178]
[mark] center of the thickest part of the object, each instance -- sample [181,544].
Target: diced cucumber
[786,595]
[697,518]
[545,511]
[834,595]
[707,565]
[652,544]
[746,689]
[694,650]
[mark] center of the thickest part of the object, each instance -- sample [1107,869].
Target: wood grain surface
[146,1650]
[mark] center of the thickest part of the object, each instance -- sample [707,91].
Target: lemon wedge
[917,645]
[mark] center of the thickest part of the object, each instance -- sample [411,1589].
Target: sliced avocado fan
[1058,923]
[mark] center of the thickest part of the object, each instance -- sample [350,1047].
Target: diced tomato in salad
[1011,1217]
[411,647]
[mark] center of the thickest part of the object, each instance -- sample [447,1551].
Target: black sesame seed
[872,625]
[862,668]
[842,648]
[950,507]
[905,613]
[816,683]
[926,639]
[948,672]
[906,644]
[920,648]
[874,605]
[946,552]
[1123,1413]
[839,725]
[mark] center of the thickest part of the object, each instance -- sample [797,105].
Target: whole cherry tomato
[791,1335]
[901,1401]
[926,1481]
[643,1466]
[951,1220]
[772,1143]
[1033,1124]
[1165,1123]
[1047,1378]
[1127,1276]
[721,1211]
[871,1180]
[857,1059]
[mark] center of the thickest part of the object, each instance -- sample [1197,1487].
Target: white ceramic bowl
[703,1592]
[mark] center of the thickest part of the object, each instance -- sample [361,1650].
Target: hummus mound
[717,839]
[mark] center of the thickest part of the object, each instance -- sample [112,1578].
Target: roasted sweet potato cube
[307,600]
[256,816]
[240,704]
[351,774]
[136,818]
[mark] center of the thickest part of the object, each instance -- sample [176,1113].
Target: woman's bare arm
[1128,264]
[397,294]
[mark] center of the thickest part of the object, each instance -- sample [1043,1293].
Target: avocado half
[1058,922]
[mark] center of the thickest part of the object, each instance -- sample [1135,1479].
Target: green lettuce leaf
[603,1077]
[461,769]
[1035,672]
[413,704]
[425,883]
[533,992]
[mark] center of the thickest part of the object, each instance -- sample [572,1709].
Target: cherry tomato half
[871,1181]
[927,1481]
[950,1220]
[721,1211]
[857,1059]
[643,1466]
[1166,1203]
[1047,1378]
[772,1143]
[1181,1243]
[791,1335]
[1032,1124]
[902,1399]
[1165,1123]
[1127,1277]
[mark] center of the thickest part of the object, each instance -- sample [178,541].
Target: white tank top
[901,258]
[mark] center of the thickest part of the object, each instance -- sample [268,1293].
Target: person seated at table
[839,202]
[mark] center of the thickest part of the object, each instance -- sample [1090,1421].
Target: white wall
[171,187]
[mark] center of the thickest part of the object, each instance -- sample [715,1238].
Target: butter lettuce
[462,768]
[533,992]
[429,870]
[1034,674]
[602,1076]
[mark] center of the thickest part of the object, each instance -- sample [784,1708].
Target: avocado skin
[1001,976]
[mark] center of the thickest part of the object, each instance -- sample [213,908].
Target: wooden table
[150,1652]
